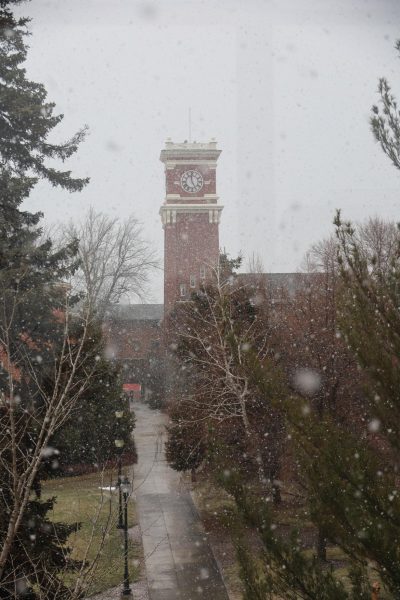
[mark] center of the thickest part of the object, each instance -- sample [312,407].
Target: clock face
[192,181]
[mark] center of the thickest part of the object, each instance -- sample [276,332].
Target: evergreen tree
[186,445]
[5,3]
[385,122]
[29,269]
[351,477]
[32,324]
[88,437]
[281,568]
[27,119]
[349,466]
[227,266]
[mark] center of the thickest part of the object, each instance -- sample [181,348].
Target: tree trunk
[321,546]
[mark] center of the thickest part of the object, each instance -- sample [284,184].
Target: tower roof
[190,151]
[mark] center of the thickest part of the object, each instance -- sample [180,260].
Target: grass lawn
[79,499]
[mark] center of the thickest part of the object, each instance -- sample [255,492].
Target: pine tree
[32,322]
[88,437]
[186,445]
[385,122]
[351,477]
[281,568]
[27,119]
[350,473]
[29,269]
[5,3]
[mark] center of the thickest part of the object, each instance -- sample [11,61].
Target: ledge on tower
[189,150]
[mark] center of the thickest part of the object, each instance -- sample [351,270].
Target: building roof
[131,387]
[136,312]
[290,282]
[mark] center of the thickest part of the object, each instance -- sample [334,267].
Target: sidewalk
[139,591]
[178,559]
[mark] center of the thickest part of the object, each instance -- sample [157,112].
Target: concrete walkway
[179,562]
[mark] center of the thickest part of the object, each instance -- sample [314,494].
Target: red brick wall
[129,340]
[188,244]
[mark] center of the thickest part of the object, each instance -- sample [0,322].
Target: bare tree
[378,241]
[322,257]
[255,264]
[115,259]
[28,422]
[214,334]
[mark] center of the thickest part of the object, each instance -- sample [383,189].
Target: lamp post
[119,443]
[126,489]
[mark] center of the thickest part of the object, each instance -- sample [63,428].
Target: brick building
[190,216]
[134,339]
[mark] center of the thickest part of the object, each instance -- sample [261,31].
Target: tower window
[202,272]
[193,281]
[182,289]
[136,346]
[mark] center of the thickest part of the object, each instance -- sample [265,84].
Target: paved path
[178,558]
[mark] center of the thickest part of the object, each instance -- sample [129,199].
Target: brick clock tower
[190,216]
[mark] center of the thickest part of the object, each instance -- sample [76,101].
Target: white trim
[171,164]
[168,212]
[209,199]
[170,145]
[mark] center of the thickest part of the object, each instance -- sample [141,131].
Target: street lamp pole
[120,447]
[126,592]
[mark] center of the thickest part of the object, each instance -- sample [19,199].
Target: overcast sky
[285,87]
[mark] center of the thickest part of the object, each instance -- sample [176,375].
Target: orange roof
[131,387]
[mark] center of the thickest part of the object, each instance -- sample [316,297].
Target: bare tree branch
[115,259]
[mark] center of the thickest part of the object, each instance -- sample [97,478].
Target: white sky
[285,87]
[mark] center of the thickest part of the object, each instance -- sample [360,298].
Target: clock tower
[190,216]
